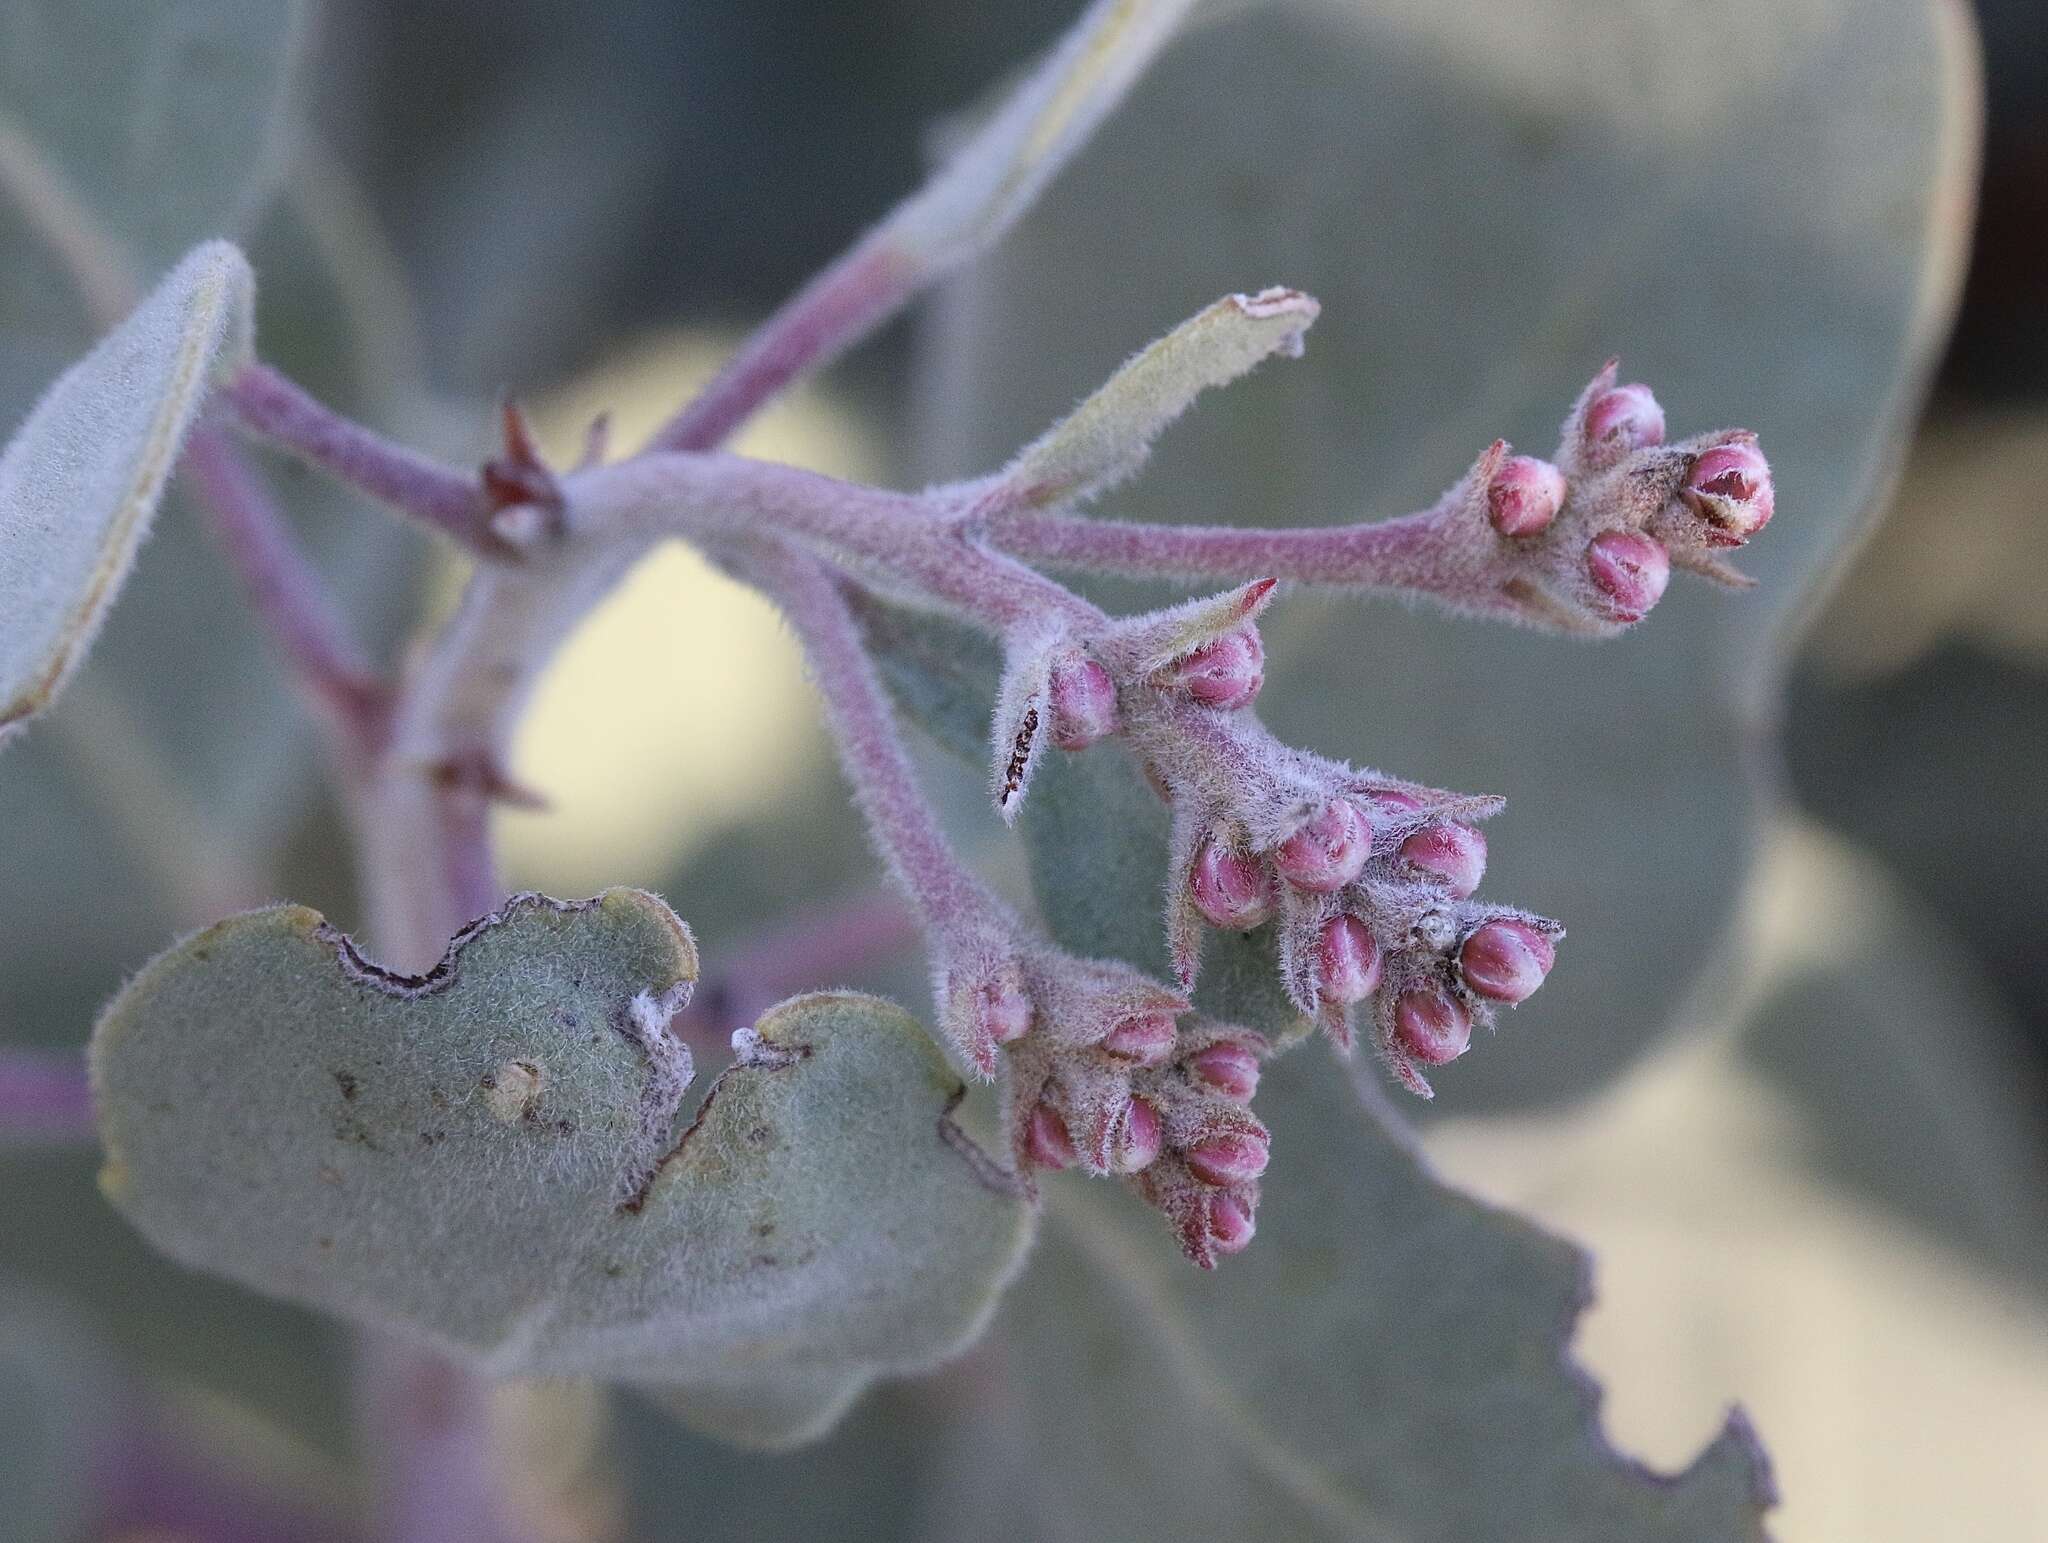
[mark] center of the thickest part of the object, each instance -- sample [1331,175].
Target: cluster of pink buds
[1593,537]
[1110,1072]
[1367,879]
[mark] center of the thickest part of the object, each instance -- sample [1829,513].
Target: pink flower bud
[1630,571]
[1046,1141]
[1083,704]
[1329,851]
[1232,890]
[1624,419]
[1229,1069]
[1524,496]
[1431,1027]
[1230,1222]
[1394,803]
[1224,673]
[1454,853]
[1506,960]
[1003,1013]
[1730,488]
[1348,961]
[1147,1039]
[1138,1136]
[1236,1158]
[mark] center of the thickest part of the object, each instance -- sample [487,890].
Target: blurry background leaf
[56,1398]
[1826,1196]
[1486,208]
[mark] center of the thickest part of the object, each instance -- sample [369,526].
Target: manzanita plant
[469,1130]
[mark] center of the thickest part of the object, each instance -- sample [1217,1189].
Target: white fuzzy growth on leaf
[1002,167]
[81,479]
[1107,437]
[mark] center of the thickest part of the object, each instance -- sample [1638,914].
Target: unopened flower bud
[1624,419]
[1524,496]
[1232,890]
[1236,1158]
[1630,571]
[1394,803]
[1329,851]
[1224,673]
[1083,704]
[1003,1013]
[1229,1069]
[1431,1027]
[1506,960]
[1147,1039]
[1729,487]
[1138,1136]
[1046,1141]
[1454,853]
[1348,961]
[1230,1222]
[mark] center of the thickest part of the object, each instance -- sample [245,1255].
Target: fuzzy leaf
[1001,168]
[492,1157]
[1107,437]
[81,479]
[1487,205]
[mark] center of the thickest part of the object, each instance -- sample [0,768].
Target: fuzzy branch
[984,188]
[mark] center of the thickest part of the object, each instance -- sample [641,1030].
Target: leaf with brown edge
[494,1157]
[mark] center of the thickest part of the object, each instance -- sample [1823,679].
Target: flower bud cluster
[1367,880]
[1368,883]
[1588,541]
[1109,1072]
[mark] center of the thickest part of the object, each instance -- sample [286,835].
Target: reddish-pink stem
[287,593]
[814,326]
[948,899]
[44,1097]
[1413,554]
[275,407]
[906,536]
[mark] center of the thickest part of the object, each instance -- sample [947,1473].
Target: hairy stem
[822,320]
[274,407]
[1410,555]
[285,590]
[905,541]
[948,899]
[990,179]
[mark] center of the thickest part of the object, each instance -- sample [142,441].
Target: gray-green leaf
[493,1157]
[81,479]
